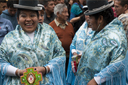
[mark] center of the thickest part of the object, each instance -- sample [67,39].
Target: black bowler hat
[28,4]
[96,6]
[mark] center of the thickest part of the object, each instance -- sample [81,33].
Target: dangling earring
[98,27]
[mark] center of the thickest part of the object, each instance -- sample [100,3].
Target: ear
[100,19]
[125,7]
[57,13]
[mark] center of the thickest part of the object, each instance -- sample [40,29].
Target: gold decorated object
[75,58]
[31,77]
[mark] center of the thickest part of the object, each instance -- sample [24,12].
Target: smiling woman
[31,45]
[28,20]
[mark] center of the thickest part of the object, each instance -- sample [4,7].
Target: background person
[10,12]
[49,15]
[69,4]
[74,20]
[77,10]
[41,14]
[5,27]
[3,5]
[121,7]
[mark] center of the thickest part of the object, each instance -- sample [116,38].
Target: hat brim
[97,10]
[36,8]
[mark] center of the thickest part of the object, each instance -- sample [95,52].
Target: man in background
[63,29]
[121,9]
[10,12]
[5,27]
[49,10]
[3,5]
[120,6]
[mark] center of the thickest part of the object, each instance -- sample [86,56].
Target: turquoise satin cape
[18,50]
[104,56]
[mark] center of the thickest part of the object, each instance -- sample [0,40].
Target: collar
[57,23]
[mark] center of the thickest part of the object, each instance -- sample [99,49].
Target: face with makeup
[28,20]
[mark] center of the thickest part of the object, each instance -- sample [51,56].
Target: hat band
[102,7]
[96,10]
[27,7]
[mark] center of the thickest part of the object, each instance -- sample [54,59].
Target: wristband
[45,70]
[18,72]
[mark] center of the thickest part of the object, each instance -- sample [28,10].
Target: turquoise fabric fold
[4,67]
[126,67]
[79,42]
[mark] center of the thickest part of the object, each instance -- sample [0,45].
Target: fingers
[79,56]
[79,60]
[22,71]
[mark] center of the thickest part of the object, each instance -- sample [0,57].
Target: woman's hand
[92,82]
[75,19]
[20,72]
[41,69]
[75,63]
[79,57]
[72,63]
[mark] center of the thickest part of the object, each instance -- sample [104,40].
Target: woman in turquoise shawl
[102,61]
[31,45]
[79,42]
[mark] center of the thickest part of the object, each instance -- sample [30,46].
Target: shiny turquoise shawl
[18,50]
[104,56]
